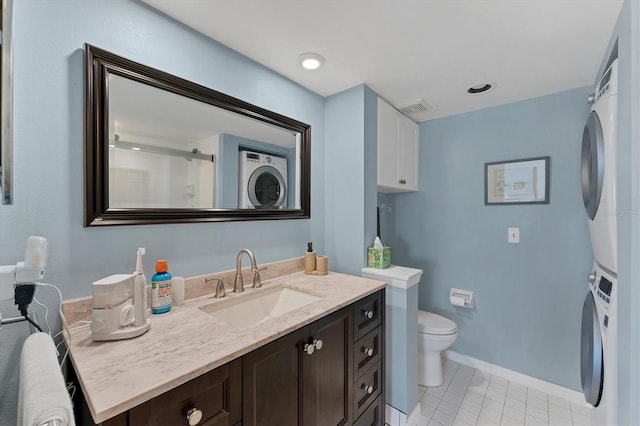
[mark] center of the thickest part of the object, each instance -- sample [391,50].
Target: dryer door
[592,164]
[591,356]
[267,188]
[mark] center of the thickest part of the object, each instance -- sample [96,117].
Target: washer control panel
[602,287]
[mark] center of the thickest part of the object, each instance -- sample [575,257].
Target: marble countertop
[187,342]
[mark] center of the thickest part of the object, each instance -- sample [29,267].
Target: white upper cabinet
[397,150]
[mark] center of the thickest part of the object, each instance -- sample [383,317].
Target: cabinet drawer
[367,314]
[210,393]
[373,415]
[366,351]
[366,389]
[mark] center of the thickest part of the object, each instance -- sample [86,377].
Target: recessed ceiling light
[311,61]
[479,88]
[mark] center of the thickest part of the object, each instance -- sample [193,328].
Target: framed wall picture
[523,181]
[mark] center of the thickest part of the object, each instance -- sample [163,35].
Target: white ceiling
[411,49]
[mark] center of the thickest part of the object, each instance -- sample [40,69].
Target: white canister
[177,291]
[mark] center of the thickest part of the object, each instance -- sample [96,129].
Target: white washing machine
[599,152]
[262,181]
[598,351]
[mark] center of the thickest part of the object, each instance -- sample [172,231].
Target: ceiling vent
[416,107]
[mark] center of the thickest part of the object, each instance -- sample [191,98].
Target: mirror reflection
[170,151]
[161,149]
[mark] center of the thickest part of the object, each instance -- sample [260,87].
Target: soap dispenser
[309,259]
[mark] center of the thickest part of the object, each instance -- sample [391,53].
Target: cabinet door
[210,394]
[387,145]
[270,383]
[326,377]
[408,154]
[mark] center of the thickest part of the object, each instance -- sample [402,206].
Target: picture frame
[521,181]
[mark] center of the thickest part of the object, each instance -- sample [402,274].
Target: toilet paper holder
[462,298]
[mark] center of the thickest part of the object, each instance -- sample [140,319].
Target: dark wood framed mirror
[162,149]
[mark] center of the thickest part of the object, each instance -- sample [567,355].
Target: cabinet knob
[194,416]
[368,314]
[318,344]
[310,348]
[367,388]
[367,351]
[402,181]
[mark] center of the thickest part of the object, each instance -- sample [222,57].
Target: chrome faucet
[238,284]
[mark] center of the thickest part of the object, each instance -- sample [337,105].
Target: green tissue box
[379,258]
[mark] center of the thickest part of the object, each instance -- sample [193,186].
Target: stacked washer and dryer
[598,355]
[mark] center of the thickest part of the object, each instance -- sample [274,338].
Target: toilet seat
[430,323]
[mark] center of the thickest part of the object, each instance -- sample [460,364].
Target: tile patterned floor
[472,397]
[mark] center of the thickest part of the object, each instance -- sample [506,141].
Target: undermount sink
[251,309]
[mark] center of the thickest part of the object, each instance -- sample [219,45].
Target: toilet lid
[435,324]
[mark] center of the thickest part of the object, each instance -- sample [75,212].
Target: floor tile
[559,402]
[534,421]
[559,412]
[489,404]
[534,393]
[472,397]
[471,407]
[449,408]
[489,416]
[538,403]
[437,392]
[513,413]
[509,421]
[495,396]
[499,380]
[538,413]
[442,417]
[452,398]
[467,416]
[427,411]
[520,396]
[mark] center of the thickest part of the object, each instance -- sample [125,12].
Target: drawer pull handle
[317,343]
[368,314]
[367,388]
[367,351]
[194,416]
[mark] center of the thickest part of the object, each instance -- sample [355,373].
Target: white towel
[43,397]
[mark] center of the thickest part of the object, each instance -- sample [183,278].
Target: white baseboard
[514,376]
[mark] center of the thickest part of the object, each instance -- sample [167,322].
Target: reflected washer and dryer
[263,181]
[599,152]
[598,352]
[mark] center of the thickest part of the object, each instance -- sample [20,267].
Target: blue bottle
[161,294]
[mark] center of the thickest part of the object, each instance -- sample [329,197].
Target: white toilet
[435,334]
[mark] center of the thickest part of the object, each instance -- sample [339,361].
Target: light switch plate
[514,235]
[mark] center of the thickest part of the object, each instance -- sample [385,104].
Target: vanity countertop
[187,342]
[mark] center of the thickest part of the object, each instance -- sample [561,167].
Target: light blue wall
[529,295]
[48,153]
[627,32]
[350,185]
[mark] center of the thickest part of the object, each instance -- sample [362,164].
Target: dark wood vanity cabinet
[330,372]
[296,381]
[302,378]
[213,399]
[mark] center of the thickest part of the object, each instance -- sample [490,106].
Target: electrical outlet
[514,235]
